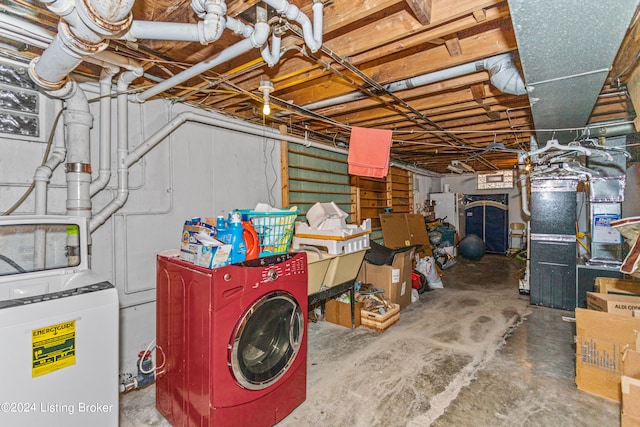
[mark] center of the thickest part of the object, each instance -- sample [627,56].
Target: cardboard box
[601,339]
[380,322]
[403,230]
[613,303]
[339,312]
[212,256]
[394,279]
[190,245]
[630,386]
[611,285]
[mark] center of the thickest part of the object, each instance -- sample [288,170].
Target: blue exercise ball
[472,247]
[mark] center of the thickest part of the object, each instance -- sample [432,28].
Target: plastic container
[251,240]
[236,238]
[274,230]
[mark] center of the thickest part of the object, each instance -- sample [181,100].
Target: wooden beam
[453,46]
[421,9]
[480,15]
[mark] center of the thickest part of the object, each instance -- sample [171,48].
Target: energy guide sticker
[53,348]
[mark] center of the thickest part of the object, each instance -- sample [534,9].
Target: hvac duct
[566,61]
[503,73]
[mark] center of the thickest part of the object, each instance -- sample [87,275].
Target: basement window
[19,102]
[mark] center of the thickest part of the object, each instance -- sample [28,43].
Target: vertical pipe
[123,148]
[105,130]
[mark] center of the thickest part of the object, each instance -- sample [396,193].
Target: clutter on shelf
[326,228]
[244,235]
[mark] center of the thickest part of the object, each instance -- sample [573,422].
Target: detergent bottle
[236,239]
[251,240]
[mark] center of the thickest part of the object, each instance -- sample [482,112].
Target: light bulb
[266,110]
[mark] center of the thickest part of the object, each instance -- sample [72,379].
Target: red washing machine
[231,341]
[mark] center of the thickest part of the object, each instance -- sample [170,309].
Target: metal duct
[566,51]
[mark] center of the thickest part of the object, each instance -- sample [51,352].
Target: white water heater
[58,327]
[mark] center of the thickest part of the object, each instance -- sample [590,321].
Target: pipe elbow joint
[43,173]
[106,20]
[260,34]
[211,28]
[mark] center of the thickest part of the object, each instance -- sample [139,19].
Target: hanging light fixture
[266,87]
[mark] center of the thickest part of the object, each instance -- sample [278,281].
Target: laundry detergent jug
[234,234]
[251,240]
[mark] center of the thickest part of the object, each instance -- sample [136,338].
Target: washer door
[266,341]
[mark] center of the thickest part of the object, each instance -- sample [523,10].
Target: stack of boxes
[608,346]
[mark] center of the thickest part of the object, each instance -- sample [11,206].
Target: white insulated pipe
[504,75]
[104,171]
[45,171]
[312,34]
[256,38]
[78,122]
[26,32]
[206,31]
[123,148]
[81,32]
[271,57]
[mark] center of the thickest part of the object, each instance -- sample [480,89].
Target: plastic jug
[251,240]
[236,239]
[222,230]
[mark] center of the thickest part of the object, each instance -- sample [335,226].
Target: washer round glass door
[266,341]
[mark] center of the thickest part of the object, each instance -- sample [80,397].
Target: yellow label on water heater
[52,348]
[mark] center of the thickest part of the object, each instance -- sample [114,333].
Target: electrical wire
[26,194]
[12,263]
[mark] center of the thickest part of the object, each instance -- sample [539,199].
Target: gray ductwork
[503,73]
[566,56]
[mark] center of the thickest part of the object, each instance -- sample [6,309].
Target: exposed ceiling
[370,44]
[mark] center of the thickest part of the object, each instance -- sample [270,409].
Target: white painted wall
[198,170]
[466,184]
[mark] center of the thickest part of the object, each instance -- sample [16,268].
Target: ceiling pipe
[312,34]
[205,32]
[82,31]
[20,29]
[254,37]
[503,73]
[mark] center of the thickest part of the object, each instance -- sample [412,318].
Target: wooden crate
[380,322]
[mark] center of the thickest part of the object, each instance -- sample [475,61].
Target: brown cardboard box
[340,313]
[601,339]
[613,303]
[403,230]
[612,285]
[630,384]
[394,279]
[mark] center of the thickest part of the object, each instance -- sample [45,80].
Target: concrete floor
[475,353]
